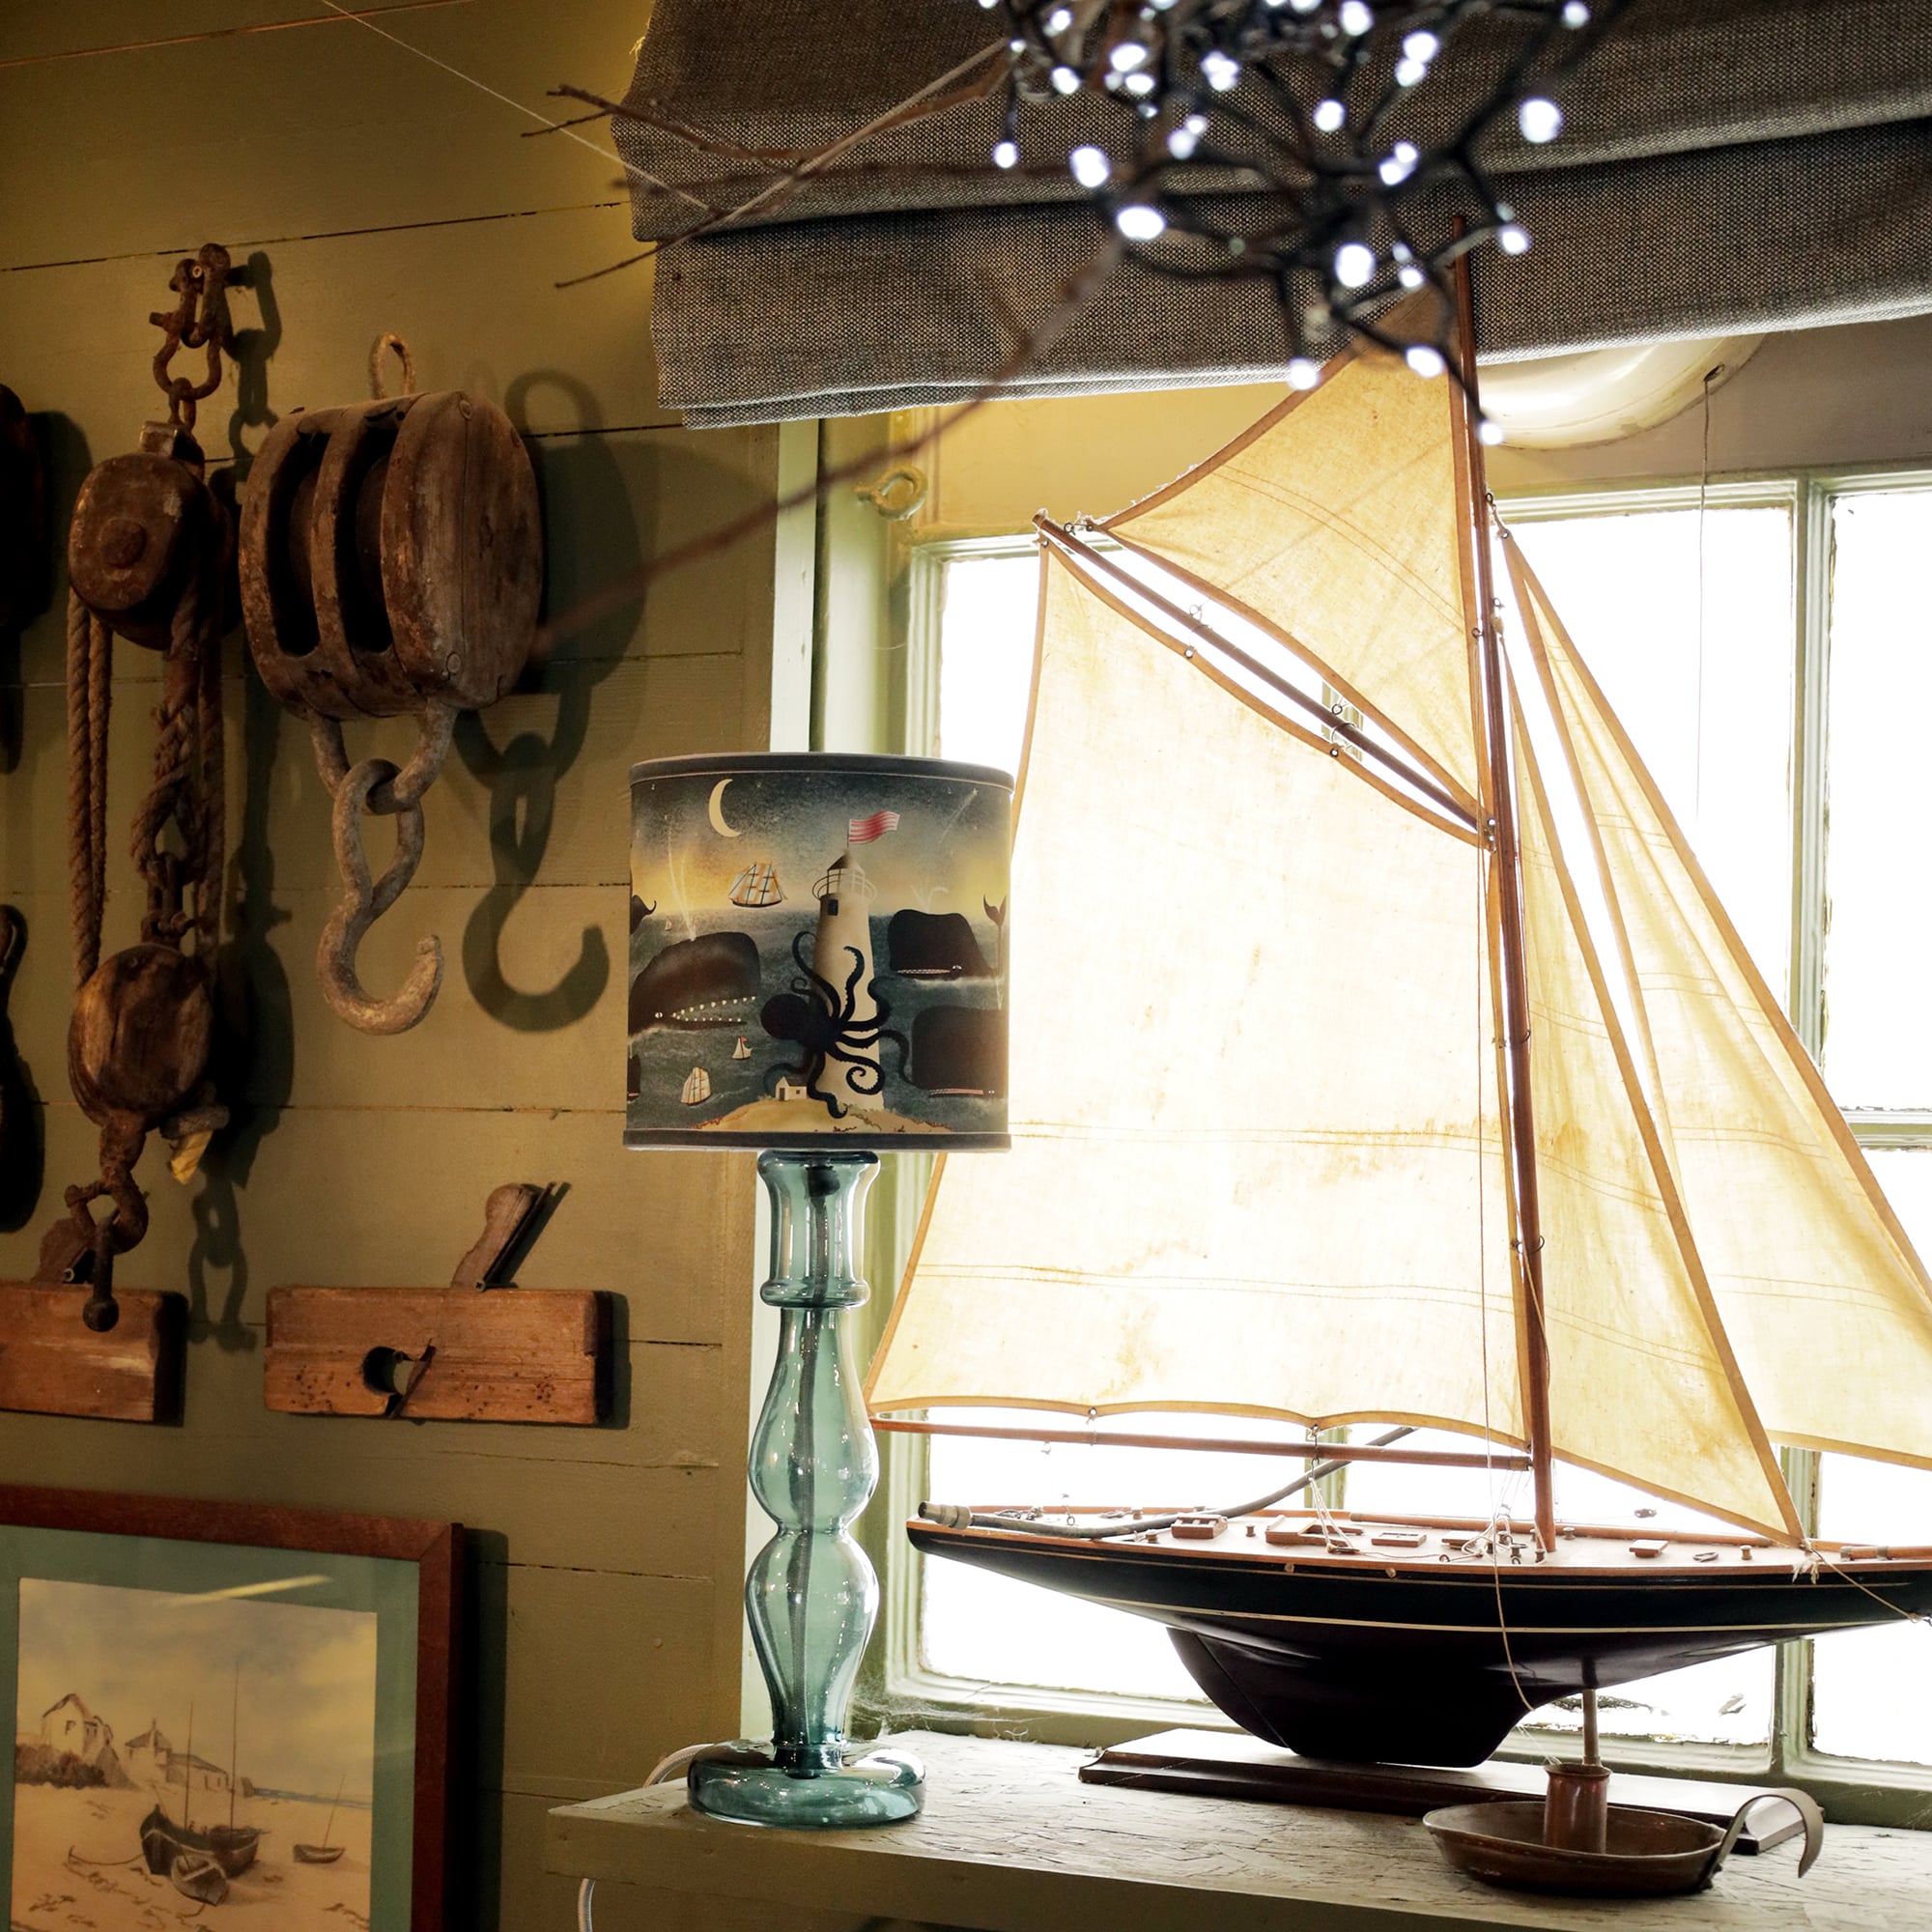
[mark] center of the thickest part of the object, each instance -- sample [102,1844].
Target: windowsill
[1851,1791]
[1011,1840]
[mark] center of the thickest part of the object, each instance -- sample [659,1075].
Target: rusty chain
[200,321]
[377,787]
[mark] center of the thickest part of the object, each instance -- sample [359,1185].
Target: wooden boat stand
[1231,1763]
[468,1352]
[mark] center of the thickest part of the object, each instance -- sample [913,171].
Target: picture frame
[176,1662]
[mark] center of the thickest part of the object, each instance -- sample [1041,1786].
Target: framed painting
[225,1711]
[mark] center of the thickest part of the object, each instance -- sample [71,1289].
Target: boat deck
[1393,1544]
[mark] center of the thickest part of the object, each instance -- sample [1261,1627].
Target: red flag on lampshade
[863,831]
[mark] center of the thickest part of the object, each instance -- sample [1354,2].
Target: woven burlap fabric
[1727,165]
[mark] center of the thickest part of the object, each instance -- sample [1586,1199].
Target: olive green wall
[361,188]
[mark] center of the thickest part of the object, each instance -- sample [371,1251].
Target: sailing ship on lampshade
[1442,1094]
[819,951]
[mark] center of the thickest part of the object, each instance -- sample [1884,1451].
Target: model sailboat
[1434,1087]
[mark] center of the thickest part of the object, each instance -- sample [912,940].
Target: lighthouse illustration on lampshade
[824,940]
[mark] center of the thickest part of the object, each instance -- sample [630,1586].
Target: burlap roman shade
[1726,165]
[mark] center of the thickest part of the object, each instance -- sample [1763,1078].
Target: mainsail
[1262,1145]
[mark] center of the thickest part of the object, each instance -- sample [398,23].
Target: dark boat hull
[1408,1664]
[234,1847]
[231,1847]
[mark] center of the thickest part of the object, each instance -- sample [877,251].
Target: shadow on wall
[253,1060]
[582,550]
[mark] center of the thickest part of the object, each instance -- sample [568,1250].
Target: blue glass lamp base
[886,1788]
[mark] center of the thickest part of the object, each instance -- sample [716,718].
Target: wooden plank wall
[362,188]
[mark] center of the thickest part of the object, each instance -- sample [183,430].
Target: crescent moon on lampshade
[717,809]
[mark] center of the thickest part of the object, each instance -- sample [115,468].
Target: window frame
[898,1685]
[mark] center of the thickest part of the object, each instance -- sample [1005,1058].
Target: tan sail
[1641,1382]
[1262,1177]
[1334,524]
[1258,1151]
[1823,1298]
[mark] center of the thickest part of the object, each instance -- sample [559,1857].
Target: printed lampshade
[818,952]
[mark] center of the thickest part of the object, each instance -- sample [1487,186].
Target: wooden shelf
[1012,1841]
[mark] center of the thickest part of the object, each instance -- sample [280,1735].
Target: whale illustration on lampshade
[824,939]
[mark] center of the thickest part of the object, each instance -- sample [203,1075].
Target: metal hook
[898,493]
[379,788]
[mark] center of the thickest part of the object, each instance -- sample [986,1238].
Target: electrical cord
[666,1769]
[956,1516]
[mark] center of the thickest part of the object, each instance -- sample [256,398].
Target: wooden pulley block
[391,556]
[139,527]
[23,513]
[140,1040]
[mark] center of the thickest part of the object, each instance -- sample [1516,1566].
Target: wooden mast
[1508,894]
[234,1744]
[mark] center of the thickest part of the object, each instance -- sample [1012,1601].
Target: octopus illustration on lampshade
[818,951]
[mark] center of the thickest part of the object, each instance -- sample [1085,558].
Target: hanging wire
[1703,506]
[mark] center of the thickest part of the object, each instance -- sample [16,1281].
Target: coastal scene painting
[208,1756]
[818,947]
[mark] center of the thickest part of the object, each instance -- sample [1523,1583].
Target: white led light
[1513,239]
[1329,115]
[1221,72]
[1421,46]
[1126,56]
[1410,73]
[1424,360]
[1410,277]
[1181,142]
[1575,15]
[1065,80]
[1356,17]
[1540,120]
[1139,222]
[1490,431]
[1007,154]
[1400,165]
[1302,374]
[1091,166]
[1059,19]
[1354,264]
[1139,84]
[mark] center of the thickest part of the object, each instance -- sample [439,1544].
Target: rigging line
[1703,506]
[510,101]
[1845,1575]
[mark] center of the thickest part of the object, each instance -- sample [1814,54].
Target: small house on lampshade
[818,965]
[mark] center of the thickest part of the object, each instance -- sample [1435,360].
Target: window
[1767,645]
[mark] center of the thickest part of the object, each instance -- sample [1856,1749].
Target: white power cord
[664,1769]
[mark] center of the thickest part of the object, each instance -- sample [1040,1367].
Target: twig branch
[955,84]
[1032,344]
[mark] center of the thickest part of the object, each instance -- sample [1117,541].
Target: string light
[1091,166]
[1315,107]
[1538,119]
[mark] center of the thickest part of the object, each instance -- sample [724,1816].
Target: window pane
[986,657]
[1872,1690]
[1627,588]
[1877,1037]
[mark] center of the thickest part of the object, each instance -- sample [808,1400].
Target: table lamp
[818,970]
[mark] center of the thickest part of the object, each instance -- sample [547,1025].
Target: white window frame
[899,1689]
